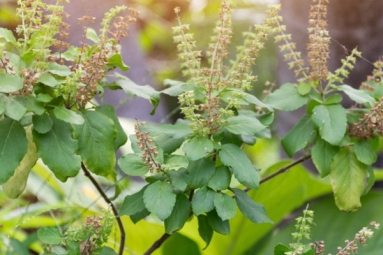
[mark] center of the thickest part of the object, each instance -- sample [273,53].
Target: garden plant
[197,175]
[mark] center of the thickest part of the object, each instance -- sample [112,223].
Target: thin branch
[107,200]
[157,244]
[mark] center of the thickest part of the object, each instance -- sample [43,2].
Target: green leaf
[322,154]
[176,87]
[49,235]
[204,229]
[359,96]
[179,244]
[92,35]
[331,121]
[179,179]
[198,147]
[334,99]
[175,162]
[253,100]
[225,206]
[110,112]
[10,83]
[217,224]
[58,69]
[244,125]
[299,136]
[348,177]
[252,210]
[42,123]
[280,249]
[168,144]
[139,216]
[106,251]
[48,80]
[133,203]
[116,60]
[57,149]
[286,98]
[17,248]
[132,164]
[232,156]
[304,88]
[146,92]
[200,172]
[33,105]
[17,183]
[179,215]
[203,201]
[13,147]
[221,178]
[160,199]
[96,142]
[364,152]
[8,36]
[45,98]
[371,180]
[14,109]
[69,116]
[176,131]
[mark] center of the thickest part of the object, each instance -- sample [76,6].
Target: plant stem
[107,200]
[157,244]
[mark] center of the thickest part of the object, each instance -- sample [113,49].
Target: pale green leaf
[348,177]
[14,108]
[67,115]
[286,98]
[116,60]
[58,69]
[49,235]
[359,96]
[10,83]
[160,199]
[176,87]
[132,164]
[198,147]
[331,121]
[48,80]
[8,36]
[322,154]
[232,156]
[225,206]
[244,125]
[42,123]
[13,147]
[364,152]
[92,35]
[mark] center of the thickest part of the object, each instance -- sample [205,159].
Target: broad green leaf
[106,251]
[48,80]
[175,162]
[58,69]
[299,136]
[139,216]
[168,144]
[221,178]
[96,142]
[334,99]
[109,111]
[179,244]
[17,183]
[200,172]
[179,179]
[304,88]
[176,131]
[286,98]
[10,83]
[2,107]
[116,60]
[359,96]
[45,98]
[176,87]
[204,230]
[322,154]
[364,152]
[203,201]
[133,203]
[253,100]
[217,224]
[33,105]
[17,248]
[132,164]
[371,180]
[42,123]
[8,36]
[348,177]
[331,121]
[57,149]
[198,147]
[179,215]
[14,109]
[280,249]
[225,206]
[146,91]
[92,35]
[69,116]
[244,125]
[232,156]
[49,235]
[252,210]
[160,199]
[13,147]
